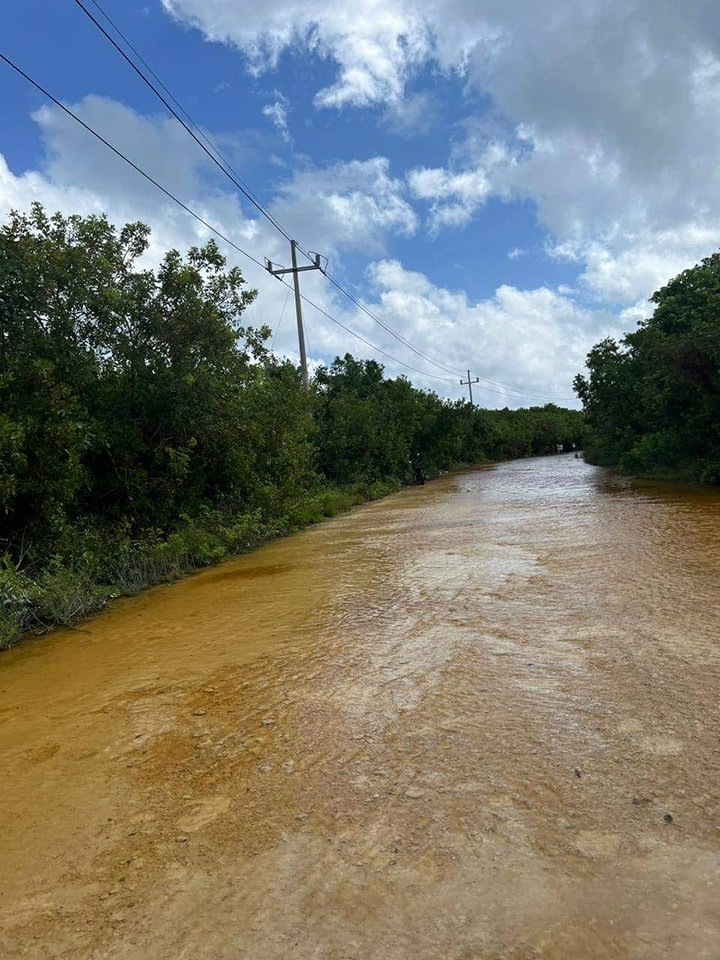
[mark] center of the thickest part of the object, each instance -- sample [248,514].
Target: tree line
[652,401]
[146,430]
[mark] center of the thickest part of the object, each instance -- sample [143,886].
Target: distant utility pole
[468,383]
[295,270]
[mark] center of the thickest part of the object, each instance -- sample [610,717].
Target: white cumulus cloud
[354,204]
[605,114]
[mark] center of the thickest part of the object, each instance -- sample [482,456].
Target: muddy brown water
[452,725]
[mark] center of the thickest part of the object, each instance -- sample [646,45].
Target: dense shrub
[652,401]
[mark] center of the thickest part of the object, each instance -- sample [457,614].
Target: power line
[518,393]
[282,314]
[211,151]
[205,223]
[387,328]
[127,160]
[504,392]
[307,341]
[374,346]
[504,389]
[224,166]
[192,213]
[512,391]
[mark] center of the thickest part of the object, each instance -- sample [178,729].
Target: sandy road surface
[449,726]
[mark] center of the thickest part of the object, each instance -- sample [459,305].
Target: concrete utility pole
[295,270]
[468,383]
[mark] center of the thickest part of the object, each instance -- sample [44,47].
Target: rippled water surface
[477,720]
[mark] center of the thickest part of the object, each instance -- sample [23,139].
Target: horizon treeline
[144,430]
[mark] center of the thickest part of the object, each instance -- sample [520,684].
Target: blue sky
[502,183]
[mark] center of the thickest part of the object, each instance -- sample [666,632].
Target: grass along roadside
[94,566]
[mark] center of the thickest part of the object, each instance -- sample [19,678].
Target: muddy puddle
[475,721]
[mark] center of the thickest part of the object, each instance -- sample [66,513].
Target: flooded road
[475,721]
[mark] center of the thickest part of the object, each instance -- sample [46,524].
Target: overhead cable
[127,160]
[210,150]
[225,167]
[504,389]
[206,144]
[387,328]
[189,210]
[358,336]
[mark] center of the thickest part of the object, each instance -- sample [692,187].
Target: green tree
[360,437]
[120,386]
[653,401]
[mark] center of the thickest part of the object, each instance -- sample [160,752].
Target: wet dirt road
[452,725]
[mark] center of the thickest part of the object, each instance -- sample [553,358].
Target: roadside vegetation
[652,401]
[146,432]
